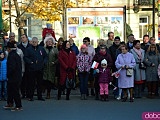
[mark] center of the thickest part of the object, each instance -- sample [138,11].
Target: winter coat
[104,75]
[139,74]
[83,62]
[66,61]
[122,60]
[14,67]
[3,70]
[112,50]
[24,65]
[75,49]
[99,57]
[50,68]
[36,58]
[151,72]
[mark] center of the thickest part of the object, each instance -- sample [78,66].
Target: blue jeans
[3,89]
[83,78]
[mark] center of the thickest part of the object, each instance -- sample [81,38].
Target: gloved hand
[97,70]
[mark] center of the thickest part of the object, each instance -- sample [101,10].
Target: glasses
[103,64]
[153,47]
[84,41]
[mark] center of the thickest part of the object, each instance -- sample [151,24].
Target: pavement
[76,109]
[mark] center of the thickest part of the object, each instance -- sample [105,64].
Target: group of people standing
[31,66]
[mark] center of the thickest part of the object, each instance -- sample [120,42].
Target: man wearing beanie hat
[14,75]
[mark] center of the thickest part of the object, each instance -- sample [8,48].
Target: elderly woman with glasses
[124,61]
[152,60]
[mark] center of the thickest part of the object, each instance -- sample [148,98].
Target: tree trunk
[18,19]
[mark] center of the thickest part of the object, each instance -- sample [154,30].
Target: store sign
[94,23]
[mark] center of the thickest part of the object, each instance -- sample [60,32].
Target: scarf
[138,52]
[25,44]
[102,53]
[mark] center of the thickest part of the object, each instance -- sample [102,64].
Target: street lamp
[1,26]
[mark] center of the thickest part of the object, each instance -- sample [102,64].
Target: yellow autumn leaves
[49,10]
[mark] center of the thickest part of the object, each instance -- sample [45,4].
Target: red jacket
[66,61]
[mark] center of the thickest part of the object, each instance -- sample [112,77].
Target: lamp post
[1,26]
[153,19]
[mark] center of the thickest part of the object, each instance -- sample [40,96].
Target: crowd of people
[127,67]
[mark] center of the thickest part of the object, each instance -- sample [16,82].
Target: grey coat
[151,72]
[139,74]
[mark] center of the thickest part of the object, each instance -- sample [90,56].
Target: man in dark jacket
[24,84]
[35,56]
[113,49]
[145,41]
[14,74]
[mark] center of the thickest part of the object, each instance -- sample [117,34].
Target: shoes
[17,109]
[30,99]
[8,107]
[41,99]
[131,100]
[118,98]
[124,99]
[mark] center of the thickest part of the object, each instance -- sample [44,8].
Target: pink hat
[84,46]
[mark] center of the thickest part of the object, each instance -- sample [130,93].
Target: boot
[68,93]
[59,94]
[85,96]
[48,96]
[82,96]
[136,91]
[149,85]
[131,99]
[92,92]
[106,97]
[102,97]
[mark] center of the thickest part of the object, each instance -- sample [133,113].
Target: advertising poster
[94,23]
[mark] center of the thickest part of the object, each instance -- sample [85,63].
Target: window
[143,29]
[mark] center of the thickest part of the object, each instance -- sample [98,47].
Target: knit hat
[104,61]
[83,46]
[102,46]
[11,45]
[49,38]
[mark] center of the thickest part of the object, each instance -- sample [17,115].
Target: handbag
[142,66]
[129,72]
[70,83]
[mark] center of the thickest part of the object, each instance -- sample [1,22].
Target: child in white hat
[104,79]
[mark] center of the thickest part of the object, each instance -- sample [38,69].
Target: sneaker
[8,107]
[118,98]
[17,109]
